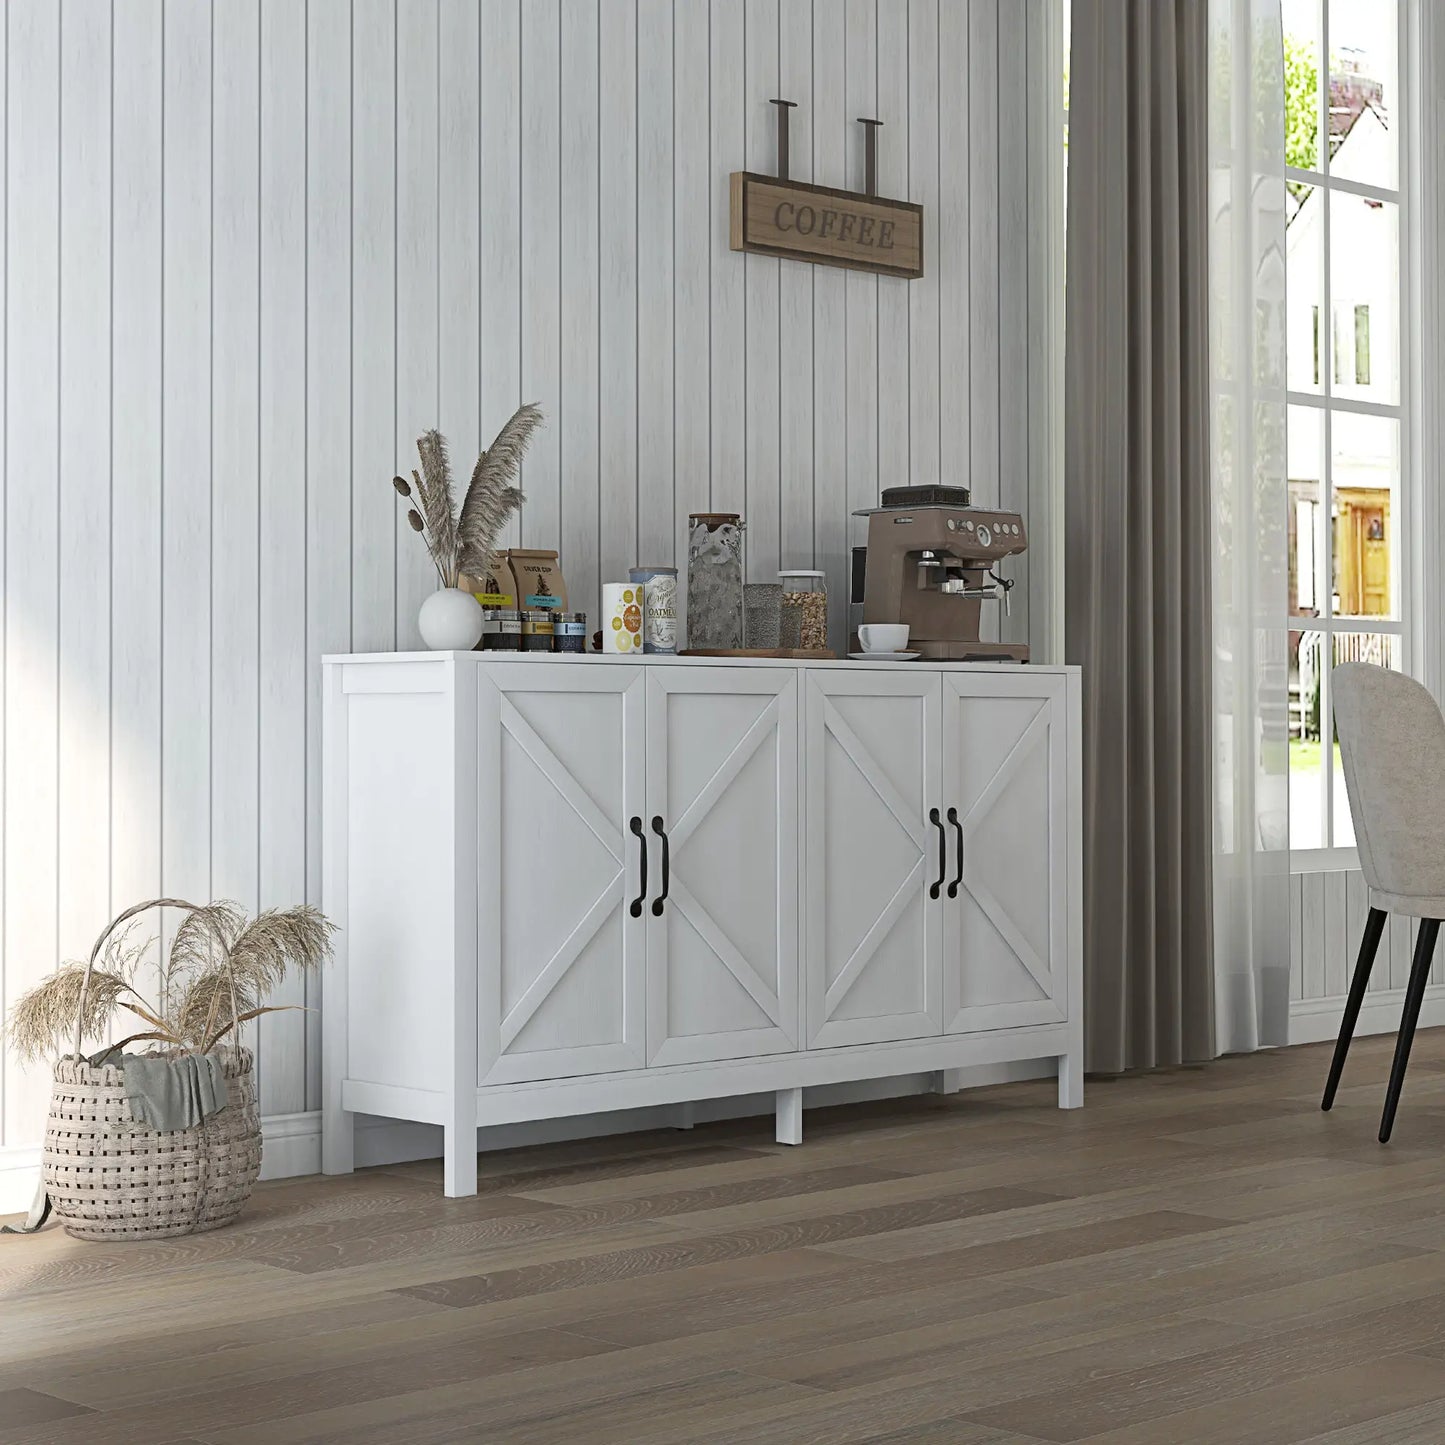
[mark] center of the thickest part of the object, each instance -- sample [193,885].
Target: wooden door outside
[722,785]
[873,918]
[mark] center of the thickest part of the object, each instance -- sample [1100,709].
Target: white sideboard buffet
[568,885]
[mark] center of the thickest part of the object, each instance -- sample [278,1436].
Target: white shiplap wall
[253,247]
[1327,921]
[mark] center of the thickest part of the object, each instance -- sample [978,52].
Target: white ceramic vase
[450,621]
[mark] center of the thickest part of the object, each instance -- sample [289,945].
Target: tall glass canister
[714,580]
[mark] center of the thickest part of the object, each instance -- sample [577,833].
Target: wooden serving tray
[815,654]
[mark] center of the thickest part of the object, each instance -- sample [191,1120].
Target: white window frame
[1407,555]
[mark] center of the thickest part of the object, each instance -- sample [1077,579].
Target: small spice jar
[804,621]
[570,632]
[538,630]
[504,631]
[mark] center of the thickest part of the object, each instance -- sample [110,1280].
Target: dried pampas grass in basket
[108,1174]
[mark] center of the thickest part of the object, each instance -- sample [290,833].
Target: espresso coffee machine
[932,561]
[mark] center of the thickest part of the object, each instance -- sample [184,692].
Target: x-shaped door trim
[993,910]
[580,801]
[709,930]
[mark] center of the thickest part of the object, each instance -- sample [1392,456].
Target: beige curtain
[1138,522]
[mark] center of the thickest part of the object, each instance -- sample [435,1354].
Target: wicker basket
[110,1176]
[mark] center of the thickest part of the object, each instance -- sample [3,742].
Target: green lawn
[1304,755]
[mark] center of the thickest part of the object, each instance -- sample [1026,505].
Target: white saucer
[884,656]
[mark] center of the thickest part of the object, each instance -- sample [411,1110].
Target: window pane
[1364,103]
[1365,461]
[1383,650]
[1307,336]
[1302,86]
[1364,297]
[1308,576]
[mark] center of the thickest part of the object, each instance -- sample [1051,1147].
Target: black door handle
[958,876]
[933,888]
[636,826]
[666,868]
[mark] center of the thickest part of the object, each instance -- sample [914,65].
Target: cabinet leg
[459,1161]
[947,1081]
[338,1142]
[789,1108]
[1071,1080]
[683,1116]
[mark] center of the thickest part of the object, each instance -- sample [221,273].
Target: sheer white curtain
[1247,362]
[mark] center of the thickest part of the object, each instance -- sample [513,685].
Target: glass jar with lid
[805,608]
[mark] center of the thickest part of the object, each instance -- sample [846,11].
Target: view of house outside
[1344,432]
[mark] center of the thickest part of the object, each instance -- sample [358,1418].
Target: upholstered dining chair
[1392,750]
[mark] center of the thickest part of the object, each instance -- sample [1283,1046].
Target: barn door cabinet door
[1005,946]
[561,939]
[874,909]
[722,820]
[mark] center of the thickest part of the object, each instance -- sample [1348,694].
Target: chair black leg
[1414,997]
[1369,944]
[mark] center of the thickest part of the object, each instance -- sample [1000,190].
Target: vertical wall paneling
[374,506]
[860,90]
[542,265]
[254,247]
[923,295]
[760,280]
[656,473]
[1296,953]
[956,157]
[418,279]
[282,521]
[83,841]
[499,71]
[580,518]
[1014,213]
[618,226]
[727,311]
[983,101]
[692,271]
[1044,335]
[235,456]
[831,438]
[328,409]
[894,351]
[1336,976]
[186,459]
[1312,949]
[795,302]
[135,412]
[32,519]
[1356,906]
[761,505]
[459,237]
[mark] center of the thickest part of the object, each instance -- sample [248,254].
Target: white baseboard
[1317,1020]
[291,1143]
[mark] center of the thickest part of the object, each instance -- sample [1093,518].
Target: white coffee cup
[883,636]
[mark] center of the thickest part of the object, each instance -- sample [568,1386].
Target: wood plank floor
[1198,1256]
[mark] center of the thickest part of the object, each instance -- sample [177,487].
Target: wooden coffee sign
[775,216]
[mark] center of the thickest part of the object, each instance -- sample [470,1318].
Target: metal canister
[570,632]
[538,628]
[504,633]
[659,608]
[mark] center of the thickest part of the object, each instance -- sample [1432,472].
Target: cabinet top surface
[598,659]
